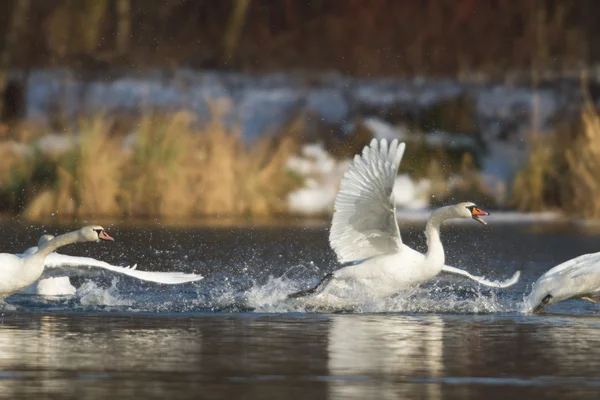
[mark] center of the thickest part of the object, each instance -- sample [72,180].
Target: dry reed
[532,182]
[87,177]
[563,169]
[584,166]
[175,168]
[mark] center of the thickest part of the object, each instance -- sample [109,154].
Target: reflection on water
[230,356]
[72,355]
[387,349]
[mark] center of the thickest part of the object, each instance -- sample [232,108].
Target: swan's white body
[19,271]
[365,231]
[57,286]
[576,278]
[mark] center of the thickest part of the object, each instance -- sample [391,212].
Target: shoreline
[497,217]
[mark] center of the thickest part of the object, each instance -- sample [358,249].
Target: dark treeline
[359,37]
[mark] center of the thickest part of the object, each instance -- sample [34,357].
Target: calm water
[231,335]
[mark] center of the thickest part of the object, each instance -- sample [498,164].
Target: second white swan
[61,285]
[18,272]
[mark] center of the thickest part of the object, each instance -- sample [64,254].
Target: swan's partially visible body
[576,278]
[365,231]
[56,286]
[18,272]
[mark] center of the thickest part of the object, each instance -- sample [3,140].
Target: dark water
[228,336]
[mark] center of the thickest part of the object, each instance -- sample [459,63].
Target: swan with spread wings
[365,232]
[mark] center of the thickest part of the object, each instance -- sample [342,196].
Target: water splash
[436,297]
[91,294]
[267,293]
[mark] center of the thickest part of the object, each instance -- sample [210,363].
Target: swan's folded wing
[55,260]
[578,266]
[587,264]
[364,221]
[498,284]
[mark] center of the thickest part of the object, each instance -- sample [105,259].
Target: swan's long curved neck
[435,250]
[58,241]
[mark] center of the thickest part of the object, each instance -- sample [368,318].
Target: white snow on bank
[505,103]
[322,175]
[266,102]
[411,195]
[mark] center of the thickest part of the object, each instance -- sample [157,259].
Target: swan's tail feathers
[542,304]
[315,290]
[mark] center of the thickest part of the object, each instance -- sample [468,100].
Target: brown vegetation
[175,168]
[583,159]
[562,171]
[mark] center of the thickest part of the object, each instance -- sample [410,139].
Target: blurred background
[253,108]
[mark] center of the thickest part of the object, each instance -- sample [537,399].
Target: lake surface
[232,335]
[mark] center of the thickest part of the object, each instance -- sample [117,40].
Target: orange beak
[104,236]
[476,213]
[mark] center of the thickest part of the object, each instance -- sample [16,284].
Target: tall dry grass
[159,167]
[87,177]
[583,159]
[175,168]
[533,182]
[563,170]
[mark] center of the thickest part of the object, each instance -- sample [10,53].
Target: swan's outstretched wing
[364,221]
[55,260]
[497,284]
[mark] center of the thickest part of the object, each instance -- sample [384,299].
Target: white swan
[365,231]
[56,286]
[18,272]
[576,278]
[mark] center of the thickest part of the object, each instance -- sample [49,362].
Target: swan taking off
[60,286]
[576,278]
[365,231]
[18,272]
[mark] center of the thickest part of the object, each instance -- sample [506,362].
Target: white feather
[364,223]
[55,260]
[62,261]
[498,284]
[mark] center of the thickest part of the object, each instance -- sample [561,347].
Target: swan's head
[94,233]
[470,210]
[44,239]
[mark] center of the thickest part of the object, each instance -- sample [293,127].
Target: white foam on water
[272,298]
[90,294]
